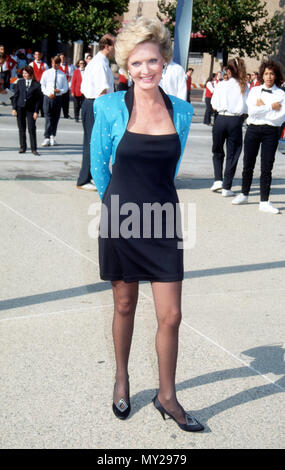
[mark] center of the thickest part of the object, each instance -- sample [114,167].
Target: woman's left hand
[35,116]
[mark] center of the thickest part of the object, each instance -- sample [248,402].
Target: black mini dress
[140,228]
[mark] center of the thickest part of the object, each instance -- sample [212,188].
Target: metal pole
[182,32]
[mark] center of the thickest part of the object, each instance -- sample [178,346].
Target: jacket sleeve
[73,82]
[100,148]
[183,116]
[15,96]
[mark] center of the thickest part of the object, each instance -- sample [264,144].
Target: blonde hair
[138,31]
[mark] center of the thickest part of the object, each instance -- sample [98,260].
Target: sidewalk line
[35,315]
[49,233]
[234,356]
[228,352]
[146,296]
[237,292]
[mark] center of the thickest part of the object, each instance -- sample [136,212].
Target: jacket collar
[129,100]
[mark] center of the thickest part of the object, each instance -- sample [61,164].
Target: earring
[164,67]
[130,77]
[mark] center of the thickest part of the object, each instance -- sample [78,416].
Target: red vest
[10,63]
[254,84]
[189,82]
[208,93]
[38,71]
[65,70]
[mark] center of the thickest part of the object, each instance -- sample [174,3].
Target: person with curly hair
[266,114]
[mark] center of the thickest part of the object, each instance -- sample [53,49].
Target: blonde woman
[145,131]
[229,100]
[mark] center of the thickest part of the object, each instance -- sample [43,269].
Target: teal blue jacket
[112,113]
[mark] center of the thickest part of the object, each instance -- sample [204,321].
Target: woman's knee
[125,306]
[171,318]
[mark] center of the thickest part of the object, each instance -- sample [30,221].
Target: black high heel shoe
[121,409]
[191,425]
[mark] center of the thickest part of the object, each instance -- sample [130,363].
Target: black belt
[90,99]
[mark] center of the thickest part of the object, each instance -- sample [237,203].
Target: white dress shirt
[261,115]
[227,97]
[48,82]
[173,80]
[97,77]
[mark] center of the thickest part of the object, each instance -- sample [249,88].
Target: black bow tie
[267,91]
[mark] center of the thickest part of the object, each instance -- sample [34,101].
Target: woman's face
[269,78]
[145,65]
[26,75]
[229,74]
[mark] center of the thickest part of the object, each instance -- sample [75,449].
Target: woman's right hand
[276,106]
[14,112]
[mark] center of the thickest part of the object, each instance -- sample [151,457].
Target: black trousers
[77,101]
[267,137]
[65,104]
[226,129]
[208,111]
[52,109]
[42,105]
[24,116]
[87,116]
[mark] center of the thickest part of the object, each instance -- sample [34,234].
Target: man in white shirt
[97,81]
[68,69]
[54,85]
[174,80]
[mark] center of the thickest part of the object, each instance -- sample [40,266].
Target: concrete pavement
[57,362]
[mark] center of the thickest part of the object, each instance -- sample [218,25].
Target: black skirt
[140,228]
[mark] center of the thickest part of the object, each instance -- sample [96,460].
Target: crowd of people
[259,100]
[40,90]
[35,89]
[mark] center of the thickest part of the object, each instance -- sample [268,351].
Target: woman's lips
[147,79]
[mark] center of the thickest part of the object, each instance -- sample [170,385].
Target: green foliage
[167,14]
[241,26]
[84,19]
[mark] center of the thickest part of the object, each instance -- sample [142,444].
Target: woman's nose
[145,67]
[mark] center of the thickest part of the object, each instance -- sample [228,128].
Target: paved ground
[56,360]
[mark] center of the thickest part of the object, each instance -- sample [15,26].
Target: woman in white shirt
[229,100]
[209,90]
[266,113]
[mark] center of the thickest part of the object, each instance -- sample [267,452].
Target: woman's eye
[135,64]
[153,61]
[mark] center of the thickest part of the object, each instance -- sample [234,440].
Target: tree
[236,26]
[73,19]
[167,14]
